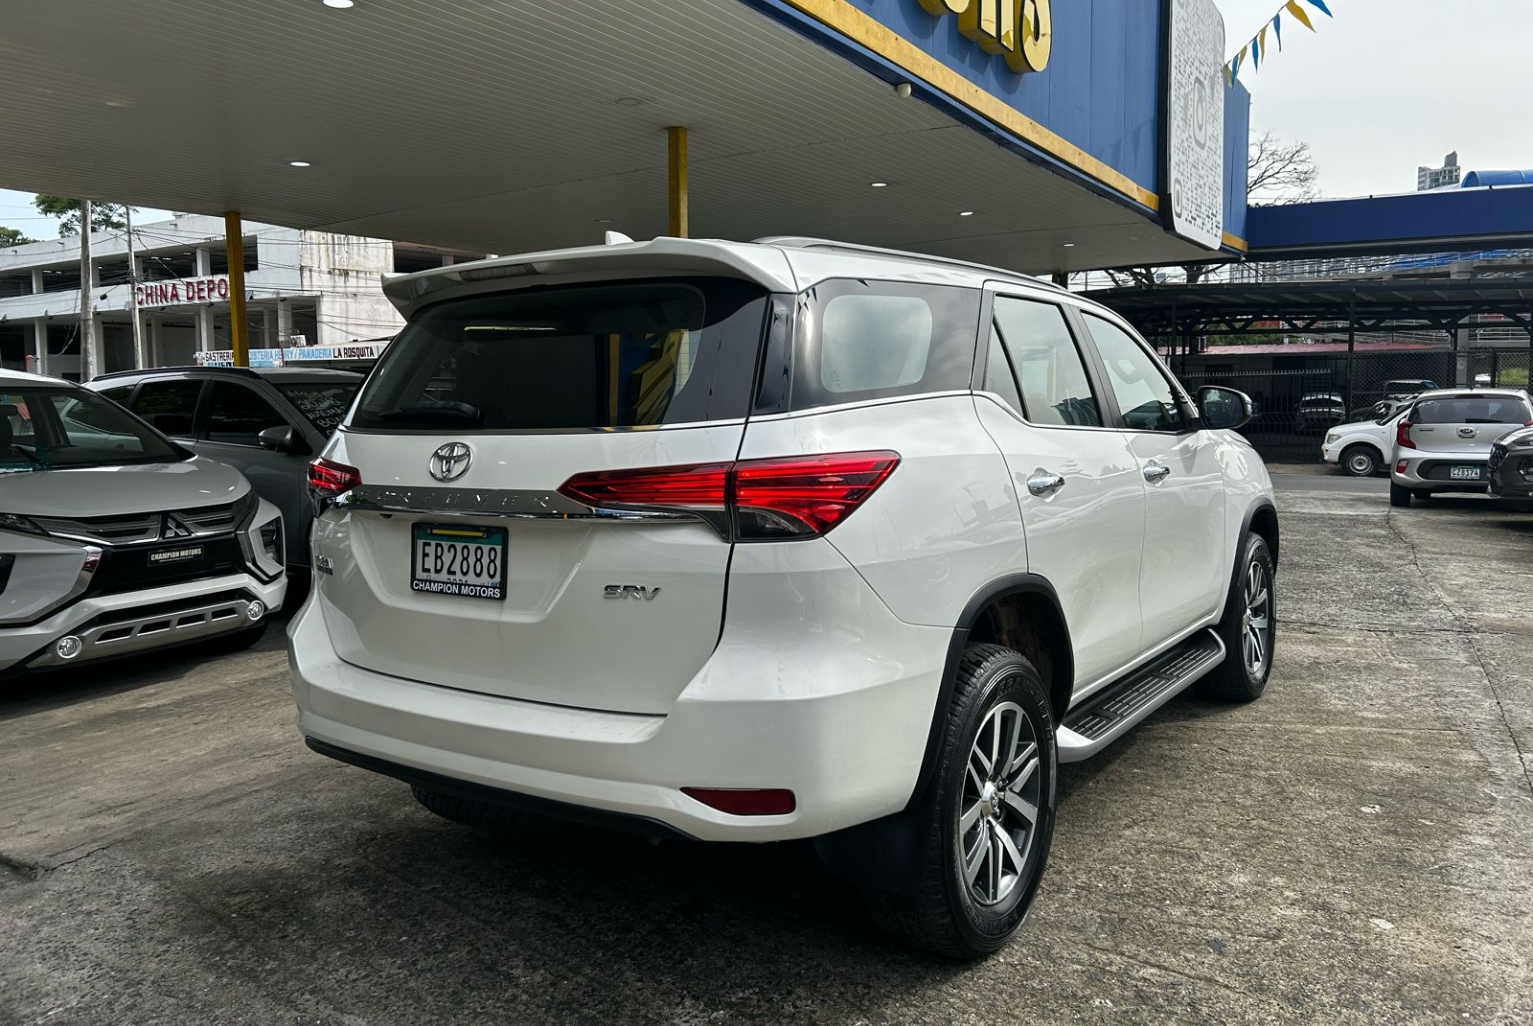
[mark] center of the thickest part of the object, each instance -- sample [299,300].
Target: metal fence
[1295,406]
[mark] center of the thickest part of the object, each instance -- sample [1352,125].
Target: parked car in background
[1320,410]
[957,550]
[1362,448]
[1443,441]
[267,422]
[1509,471]
[116,540]
[1404,388]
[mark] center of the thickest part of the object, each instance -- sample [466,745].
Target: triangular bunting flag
[1298,12]
[1262,38]
[1277,26]
[1321,4]
[1229,80]
[1256,56]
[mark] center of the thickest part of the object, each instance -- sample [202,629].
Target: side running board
[1105,716]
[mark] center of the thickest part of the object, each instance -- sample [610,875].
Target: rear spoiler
[765,265]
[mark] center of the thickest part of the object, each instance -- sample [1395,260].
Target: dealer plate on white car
[1464,473]
[449,559]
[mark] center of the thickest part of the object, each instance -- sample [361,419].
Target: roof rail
[181,367]
[807,242]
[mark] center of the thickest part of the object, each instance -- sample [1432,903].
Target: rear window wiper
[436,411]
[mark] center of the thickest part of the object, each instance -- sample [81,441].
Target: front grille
[1497,454]
[133,569]
[140,528]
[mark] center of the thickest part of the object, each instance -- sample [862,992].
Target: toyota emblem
[450,461]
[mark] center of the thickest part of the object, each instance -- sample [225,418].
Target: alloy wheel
[1256,632]
[998,817]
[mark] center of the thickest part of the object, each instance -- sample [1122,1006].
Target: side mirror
[282,438]
[1383,409]
[1224,408]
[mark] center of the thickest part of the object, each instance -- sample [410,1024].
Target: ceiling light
[879,185]
[966,213]
[1069,245]
[628,101]
[339,5]
[604,220]
[298,163]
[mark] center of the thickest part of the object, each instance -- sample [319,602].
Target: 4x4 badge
[450,461]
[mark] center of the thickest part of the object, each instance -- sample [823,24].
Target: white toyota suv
[750,542]
[114,540]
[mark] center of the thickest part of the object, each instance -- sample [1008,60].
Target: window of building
[1050,373]
[170,404]
[1145,398]
[237,415]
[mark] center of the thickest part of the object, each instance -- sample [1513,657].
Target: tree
[12,237]
[1279,171]
[102,215]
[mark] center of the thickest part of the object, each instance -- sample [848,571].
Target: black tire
[1399,496]
[944,913]
[1360,460]
[1234,680]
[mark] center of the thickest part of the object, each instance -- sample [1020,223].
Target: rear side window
[1050,372]
[237,415]
[169,405]
[863,339]
[614,355]
[1478,409]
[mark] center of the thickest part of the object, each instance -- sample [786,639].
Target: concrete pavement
[1354,848]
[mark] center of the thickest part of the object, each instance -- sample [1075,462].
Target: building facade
[309,295]
[1437,177]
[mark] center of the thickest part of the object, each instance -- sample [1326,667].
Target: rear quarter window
[861,339]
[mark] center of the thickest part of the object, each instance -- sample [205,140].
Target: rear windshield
[59,427]
[614,355]
[1478,409]
[323,404]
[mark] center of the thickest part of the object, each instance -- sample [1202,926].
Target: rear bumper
[837,713]
[1430,471]
[140,621]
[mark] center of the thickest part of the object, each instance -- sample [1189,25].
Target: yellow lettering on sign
[1020,30]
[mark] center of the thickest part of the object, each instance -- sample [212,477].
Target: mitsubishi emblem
[172,526]
[450,461]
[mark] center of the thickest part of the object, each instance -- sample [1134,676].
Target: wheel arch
[1260,519]
[1366,444]
[1019,609]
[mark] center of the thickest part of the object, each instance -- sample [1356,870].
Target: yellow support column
[234,249]
[676,179]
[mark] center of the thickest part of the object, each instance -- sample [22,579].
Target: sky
[1382,87]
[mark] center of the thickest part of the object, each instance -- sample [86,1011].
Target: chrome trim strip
[511,504]
[87,574]
[813,411]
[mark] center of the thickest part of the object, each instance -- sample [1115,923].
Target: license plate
[180,555]
[453,560]
[1464,473]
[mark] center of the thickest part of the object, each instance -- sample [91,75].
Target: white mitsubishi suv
[790,539]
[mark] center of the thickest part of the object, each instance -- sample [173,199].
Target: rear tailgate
[1467,423]
[596,612]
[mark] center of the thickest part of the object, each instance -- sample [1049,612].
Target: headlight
[14,522]
[1525,442]
[271,540]
[1331,437]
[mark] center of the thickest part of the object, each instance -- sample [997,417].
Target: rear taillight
[752,500]
[328,478]
[1403,435]
[745,801]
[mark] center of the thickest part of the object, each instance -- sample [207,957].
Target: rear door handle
[1044,482]
[1154,472]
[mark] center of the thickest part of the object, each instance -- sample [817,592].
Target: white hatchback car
[114,540]
[1443,442]
[749,542]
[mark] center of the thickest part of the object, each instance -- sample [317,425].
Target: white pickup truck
[1362,448]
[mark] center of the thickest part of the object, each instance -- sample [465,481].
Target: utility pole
[140,359]
[87,307]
